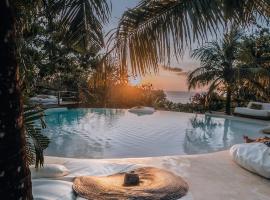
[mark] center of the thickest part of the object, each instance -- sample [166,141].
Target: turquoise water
[117,133]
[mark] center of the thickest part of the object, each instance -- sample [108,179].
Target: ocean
[179,96]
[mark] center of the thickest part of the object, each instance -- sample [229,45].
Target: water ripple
[109,133]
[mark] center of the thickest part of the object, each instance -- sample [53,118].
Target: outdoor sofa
[254,110]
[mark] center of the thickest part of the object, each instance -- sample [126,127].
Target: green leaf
[36,142]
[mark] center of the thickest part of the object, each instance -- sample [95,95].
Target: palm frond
[213,86]
[154,30]
[36,142]
[211,52]
[81,22]
[201,77]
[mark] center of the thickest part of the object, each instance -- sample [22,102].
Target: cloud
[174,70]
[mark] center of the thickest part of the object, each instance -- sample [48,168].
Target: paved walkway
[210,176]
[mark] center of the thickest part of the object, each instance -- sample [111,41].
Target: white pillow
[49,171]
[44,189]
[253,102]
[254,157]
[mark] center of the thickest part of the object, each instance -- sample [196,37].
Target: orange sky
[167,80]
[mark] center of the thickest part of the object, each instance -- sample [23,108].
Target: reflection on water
[202,137]
[109,133]
[209,134]
[72,131]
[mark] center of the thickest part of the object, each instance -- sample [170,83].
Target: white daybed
[263,113]
[44,99]
[140,110]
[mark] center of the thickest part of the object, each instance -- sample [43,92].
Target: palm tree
[15,175]
[155,29]
[14,172]
[220,67]
[217,65]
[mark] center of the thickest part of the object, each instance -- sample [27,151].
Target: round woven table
[154,184]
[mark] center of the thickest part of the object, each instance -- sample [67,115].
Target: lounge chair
[254,110]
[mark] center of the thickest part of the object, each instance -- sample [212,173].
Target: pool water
[117,133]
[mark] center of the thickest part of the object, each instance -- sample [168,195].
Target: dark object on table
[131,179]
[154,184]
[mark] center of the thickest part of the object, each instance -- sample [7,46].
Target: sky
[169,81]
[166,80]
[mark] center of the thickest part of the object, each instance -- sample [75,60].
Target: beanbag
[49,171]
[254,157]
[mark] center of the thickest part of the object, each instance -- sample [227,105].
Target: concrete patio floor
[210,176]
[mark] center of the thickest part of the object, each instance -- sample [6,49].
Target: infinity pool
[117,133]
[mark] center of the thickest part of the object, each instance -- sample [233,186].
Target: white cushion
[254,157]
[253,102]
[265,106]
[49,171]
[44,189]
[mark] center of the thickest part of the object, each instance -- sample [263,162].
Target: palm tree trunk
[228,100]
[15,179]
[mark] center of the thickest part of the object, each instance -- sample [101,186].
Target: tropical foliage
[58,40]
[36,142]
[255,52]
[109,87]
[221,67]
[28,32]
